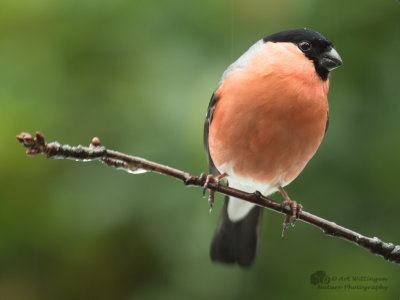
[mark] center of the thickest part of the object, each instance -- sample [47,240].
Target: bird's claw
[203,177]
[295,209]
[207,180]
[290,219]
[286,223]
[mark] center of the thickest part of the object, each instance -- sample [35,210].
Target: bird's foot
[207,180]
[295,209]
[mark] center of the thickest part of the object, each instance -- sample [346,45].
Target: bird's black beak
[330,60]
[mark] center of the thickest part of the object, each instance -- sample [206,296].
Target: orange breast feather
[270,117]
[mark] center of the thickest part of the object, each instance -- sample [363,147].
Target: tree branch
[135,164]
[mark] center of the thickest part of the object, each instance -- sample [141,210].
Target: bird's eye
[305,46]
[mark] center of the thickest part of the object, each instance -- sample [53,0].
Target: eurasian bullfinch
[265,121]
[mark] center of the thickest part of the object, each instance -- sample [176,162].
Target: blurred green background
[139,74]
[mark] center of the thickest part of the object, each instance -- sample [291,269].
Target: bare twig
[135,164]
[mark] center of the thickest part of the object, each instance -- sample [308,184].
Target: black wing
[327,121]
[209,116]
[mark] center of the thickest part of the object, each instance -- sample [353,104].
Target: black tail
[237,242]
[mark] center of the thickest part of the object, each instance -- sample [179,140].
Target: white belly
[237,208]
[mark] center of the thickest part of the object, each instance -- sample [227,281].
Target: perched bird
[265,121]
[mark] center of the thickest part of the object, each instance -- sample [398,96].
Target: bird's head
[315,47]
